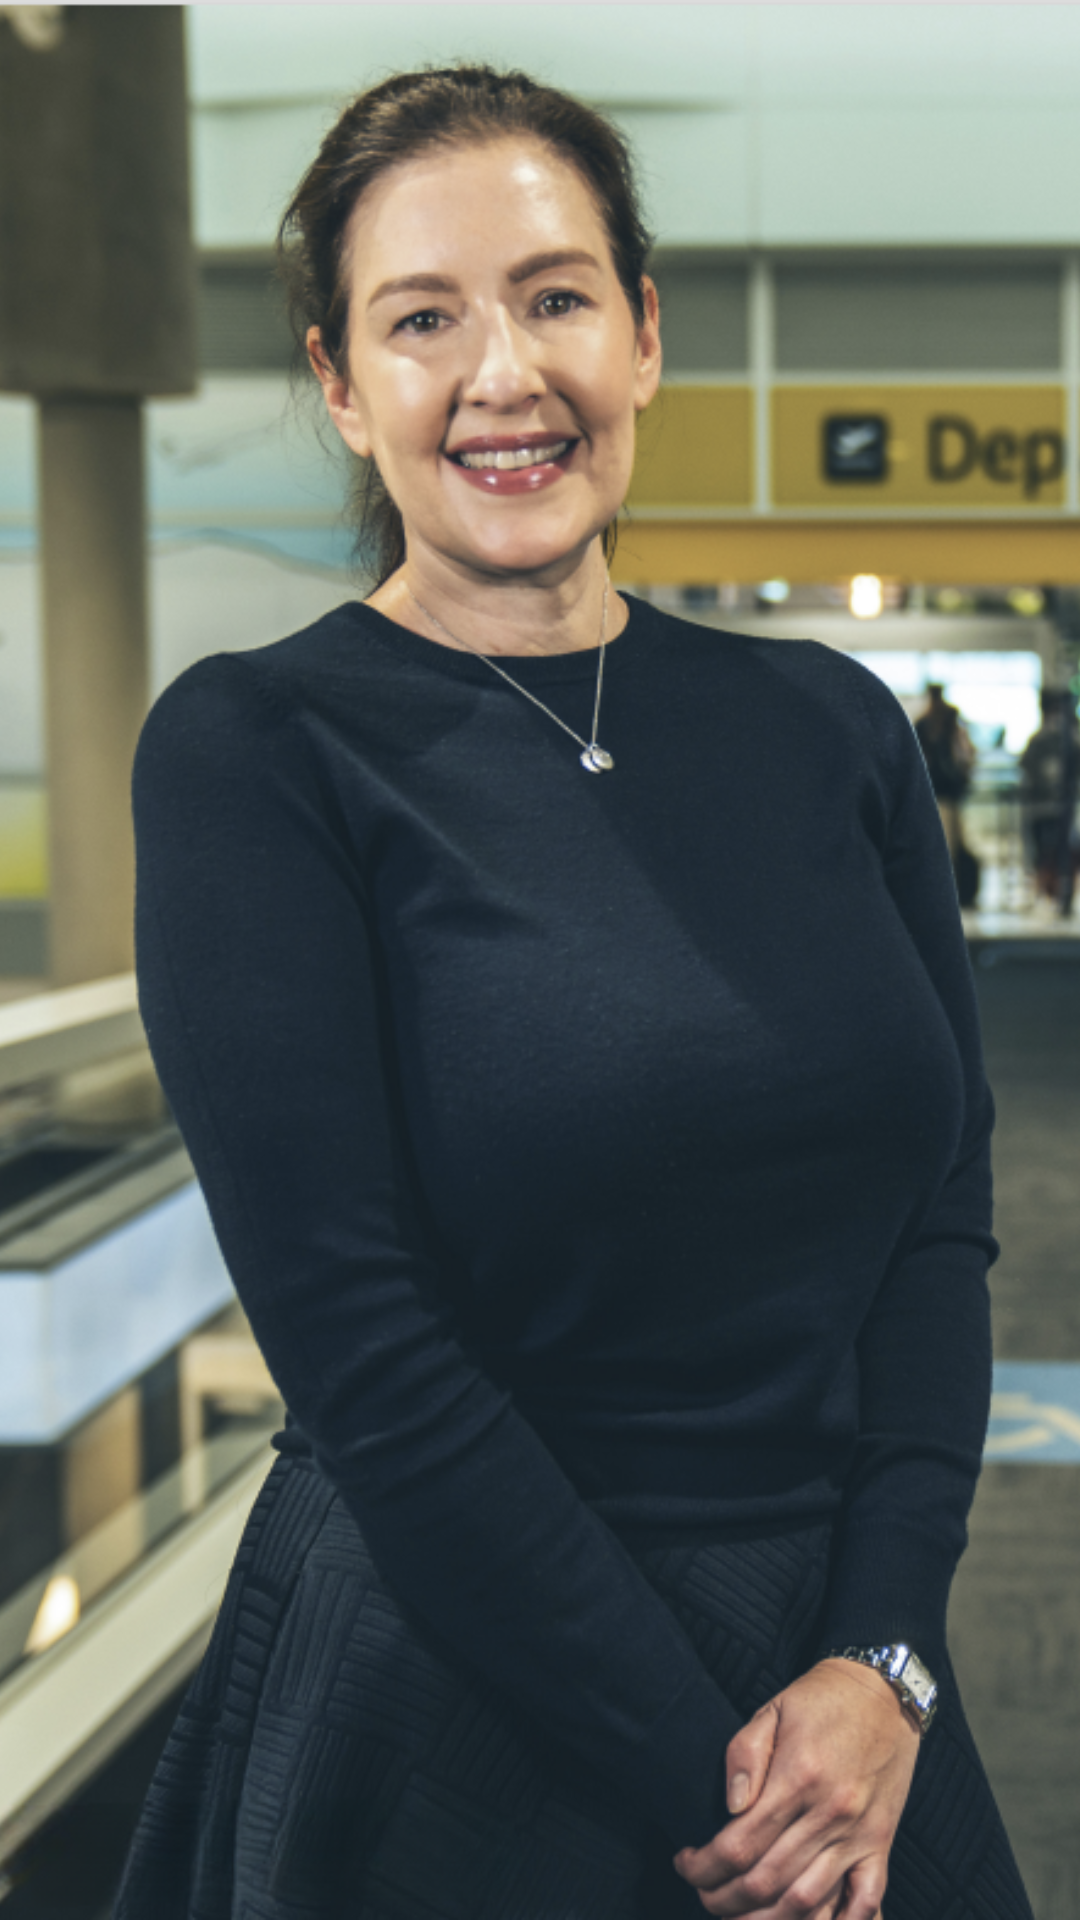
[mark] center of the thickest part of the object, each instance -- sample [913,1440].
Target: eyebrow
[525,270]
[543,263]
[414,283]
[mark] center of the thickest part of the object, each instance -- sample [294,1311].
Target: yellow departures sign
[941,447]
[937,447]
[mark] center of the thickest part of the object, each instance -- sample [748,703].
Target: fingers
[783,1828]
[772,1832]
[749,1757]
[819,1778]
[865,1891]
[789,1882]
[816,1894]
[805,1875]
[831,1910]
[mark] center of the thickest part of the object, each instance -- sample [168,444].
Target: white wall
[772,125]
[207,595]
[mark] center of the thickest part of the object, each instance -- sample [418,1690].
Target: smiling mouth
[511,459]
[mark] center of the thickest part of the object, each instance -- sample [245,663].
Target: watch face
[920,1684]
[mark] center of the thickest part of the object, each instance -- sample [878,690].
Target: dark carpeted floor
[1016,1607]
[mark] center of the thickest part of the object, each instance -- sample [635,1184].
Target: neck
[506,616]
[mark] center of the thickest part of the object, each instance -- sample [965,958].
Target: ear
[341,402]
[649,352]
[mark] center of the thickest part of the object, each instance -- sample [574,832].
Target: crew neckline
[528,669]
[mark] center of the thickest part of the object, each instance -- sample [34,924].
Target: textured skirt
[330,1761]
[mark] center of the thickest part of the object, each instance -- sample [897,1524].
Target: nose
[504,374]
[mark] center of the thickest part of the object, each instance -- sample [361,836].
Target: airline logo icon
[856,446]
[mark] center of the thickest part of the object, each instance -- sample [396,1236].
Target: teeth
[520,457]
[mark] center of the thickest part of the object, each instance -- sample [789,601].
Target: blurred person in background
[950,759]
[621,1259]
[1050,782]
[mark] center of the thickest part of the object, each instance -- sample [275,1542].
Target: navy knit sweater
[591,1152]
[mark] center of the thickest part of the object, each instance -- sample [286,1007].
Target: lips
[521,464]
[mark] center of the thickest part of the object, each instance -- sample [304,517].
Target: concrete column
[95,621]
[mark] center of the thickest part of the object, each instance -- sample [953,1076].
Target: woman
[615,1228]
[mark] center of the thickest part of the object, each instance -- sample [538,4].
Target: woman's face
[494,365]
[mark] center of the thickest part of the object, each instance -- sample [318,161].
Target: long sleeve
[261,990]
[924,1353]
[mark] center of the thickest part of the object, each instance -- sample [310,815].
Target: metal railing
[128,1367]
[58,1032]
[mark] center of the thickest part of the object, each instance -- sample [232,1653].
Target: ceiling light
[866,596]
[1026,600]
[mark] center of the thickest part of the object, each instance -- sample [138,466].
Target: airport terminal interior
[867,251]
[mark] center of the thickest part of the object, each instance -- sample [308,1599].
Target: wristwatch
[904,1672]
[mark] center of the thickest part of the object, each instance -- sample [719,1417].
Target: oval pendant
[595,760]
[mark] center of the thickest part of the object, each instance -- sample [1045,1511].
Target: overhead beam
[816,551]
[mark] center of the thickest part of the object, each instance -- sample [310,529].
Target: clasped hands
[817,1782]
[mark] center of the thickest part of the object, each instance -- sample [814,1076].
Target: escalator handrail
[70,1027]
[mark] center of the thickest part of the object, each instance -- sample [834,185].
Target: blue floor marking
[1035,1412]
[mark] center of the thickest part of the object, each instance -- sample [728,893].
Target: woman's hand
[818,1781]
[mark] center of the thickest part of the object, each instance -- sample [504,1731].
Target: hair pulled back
[398,120]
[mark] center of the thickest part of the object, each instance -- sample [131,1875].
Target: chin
[530,549]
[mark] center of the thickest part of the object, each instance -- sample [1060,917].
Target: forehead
[493,201]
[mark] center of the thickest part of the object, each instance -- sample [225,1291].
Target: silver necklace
[593,758]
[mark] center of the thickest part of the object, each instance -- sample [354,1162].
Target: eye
[554,305]
[429,320]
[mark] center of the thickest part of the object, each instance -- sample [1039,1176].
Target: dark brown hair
[395,121]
